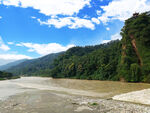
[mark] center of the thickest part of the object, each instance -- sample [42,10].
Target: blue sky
[34,28]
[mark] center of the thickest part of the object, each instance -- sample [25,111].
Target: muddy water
[105,88]
[102,89]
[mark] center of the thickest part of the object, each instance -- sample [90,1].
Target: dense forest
[6,75]
[99,64]
[125,60]
[135,58]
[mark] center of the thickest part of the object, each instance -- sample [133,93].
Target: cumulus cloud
[107,28]
[10,43]
[3,46]
[116,37]
[13,57]
[33,17]
[71,22]
[18,45]
[0,17]
[51,7]
[113,37]
[123,9]
[95,20]
[44,49]
[98,12]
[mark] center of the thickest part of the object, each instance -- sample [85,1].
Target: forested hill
[126,60]
[35,67]
[100,64]
[135,57]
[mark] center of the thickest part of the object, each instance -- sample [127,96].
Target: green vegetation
[35,67]
[135,59]
[93,104]
[93,63]
[125,60]
[5,76]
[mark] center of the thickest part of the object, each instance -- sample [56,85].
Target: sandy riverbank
[142,97]
[54,102]
[46,95]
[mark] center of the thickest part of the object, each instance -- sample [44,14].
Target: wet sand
[46,95]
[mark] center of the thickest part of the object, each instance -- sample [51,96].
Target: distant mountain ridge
[9,65]
[36,67]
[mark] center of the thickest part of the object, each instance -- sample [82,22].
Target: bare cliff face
[133,42]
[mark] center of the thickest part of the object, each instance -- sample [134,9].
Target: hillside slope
[99,64]
[135,59]
[9,65]
[36,67]
[125,60]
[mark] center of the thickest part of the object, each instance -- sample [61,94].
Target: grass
[93,104]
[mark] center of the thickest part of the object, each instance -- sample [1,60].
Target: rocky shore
[54,102]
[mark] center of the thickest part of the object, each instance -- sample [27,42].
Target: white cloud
[13,57]
[107,28]
[0,17]
[44,49]
[86,16]
[33,17]
[71,22]
[3,46]
[51,7]
[116,37]
[105,41]
[10,43]
[113,37]
[95,20]
[19,45]
[98,12]
[123,9]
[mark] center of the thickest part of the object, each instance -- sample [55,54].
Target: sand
[46,95]
[142,97]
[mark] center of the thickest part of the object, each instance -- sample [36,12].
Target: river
[47,95]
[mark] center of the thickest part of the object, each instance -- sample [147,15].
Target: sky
[34,28]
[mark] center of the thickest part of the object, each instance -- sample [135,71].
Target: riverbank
[47,95]
[14,77]
[54,102]
[142,97]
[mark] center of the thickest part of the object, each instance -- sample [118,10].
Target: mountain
[98,64]
[135,57]
[39,66]
[125,60]
[4,61]
[9,65]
